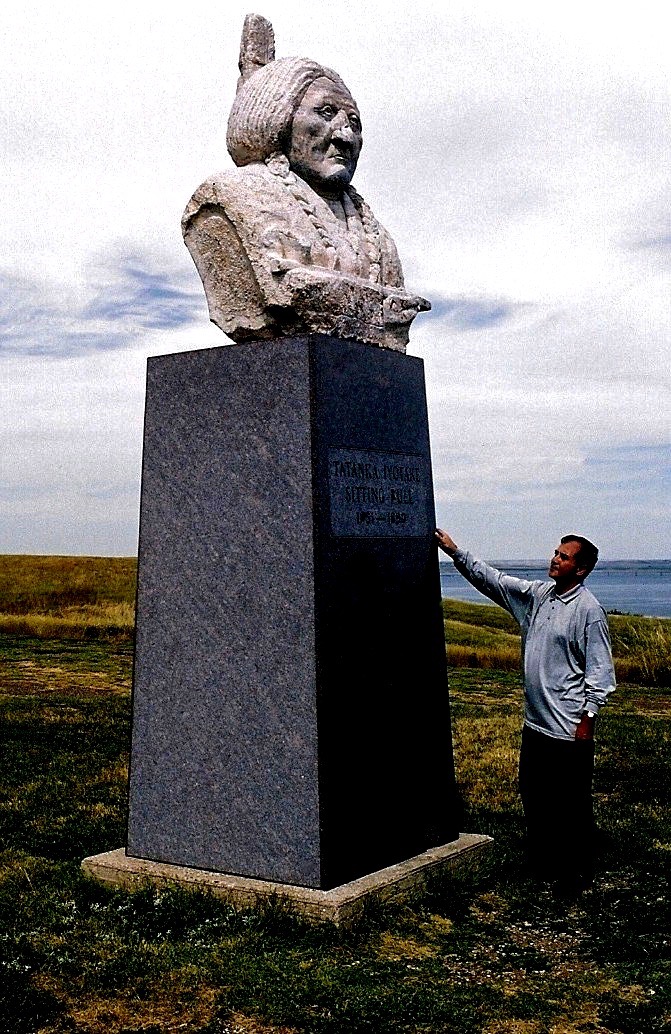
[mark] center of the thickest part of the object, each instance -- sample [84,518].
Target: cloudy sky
[519,153]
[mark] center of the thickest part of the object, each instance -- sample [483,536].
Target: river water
[626,586]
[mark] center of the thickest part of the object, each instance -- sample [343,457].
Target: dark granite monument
[290,707]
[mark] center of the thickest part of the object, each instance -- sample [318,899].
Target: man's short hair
[588,554]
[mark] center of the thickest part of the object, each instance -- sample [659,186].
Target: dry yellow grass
[72,622]
[488,751]
[51,597]
[503,658]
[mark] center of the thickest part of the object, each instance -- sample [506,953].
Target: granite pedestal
[290,707]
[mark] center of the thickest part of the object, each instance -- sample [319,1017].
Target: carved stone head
[326,137]
[299,108]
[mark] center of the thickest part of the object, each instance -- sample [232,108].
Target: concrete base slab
[340,905]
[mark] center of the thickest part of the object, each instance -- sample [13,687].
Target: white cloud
[518,153]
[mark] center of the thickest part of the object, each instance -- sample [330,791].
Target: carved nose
[341,128]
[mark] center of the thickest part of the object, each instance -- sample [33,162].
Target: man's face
[564,566]
[326,138]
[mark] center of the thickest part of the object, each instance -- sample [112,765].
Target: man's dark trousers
[556,788]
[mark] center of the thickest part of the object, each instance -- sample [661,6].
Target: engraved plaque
[377,494]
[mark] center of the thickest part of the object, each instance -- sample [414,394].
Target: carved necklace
[278,165]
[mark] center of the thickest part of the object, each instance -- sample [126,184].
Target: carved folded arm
[268,270]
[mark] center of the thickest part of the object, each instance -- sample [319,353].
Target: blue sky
[519,156]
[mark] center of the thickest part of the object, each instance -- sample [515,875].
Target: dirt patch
[25,678]
[180,1014]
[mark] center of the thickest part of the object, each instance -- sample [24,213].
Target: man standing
[568,674]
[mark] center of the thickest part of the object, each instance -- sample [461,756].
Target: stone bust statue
[283,243]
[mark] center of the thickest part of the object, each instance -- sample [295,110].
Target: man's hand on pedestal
[446,543]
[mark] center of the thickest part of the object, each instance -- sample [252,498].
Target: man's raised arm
[513,594]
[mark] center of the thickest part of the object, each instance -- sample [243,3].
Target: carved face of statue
[326,138]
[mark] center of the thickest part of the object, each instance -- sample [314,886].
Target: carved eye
[328,112]
[355,123]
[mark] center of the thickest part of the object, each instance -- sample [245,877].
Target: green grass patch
[486,954]
[47,584]
[492,954]
[67,597]
[480,615]
[642,648]
[64,765]
[484,636]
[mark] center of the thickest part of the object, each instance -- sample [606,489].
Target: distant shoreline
[542,565]
[634,587]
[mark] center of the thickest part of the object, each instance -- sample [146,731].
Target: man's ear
[581,573]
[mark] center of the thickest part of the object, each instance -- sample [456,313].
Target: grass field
[93,598]
[494,954]
[73,597]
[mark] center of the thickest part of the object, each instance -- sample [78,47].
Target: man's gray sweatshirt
[568,665]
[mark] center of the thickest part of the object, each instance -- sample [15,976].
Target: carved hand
[402,308]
